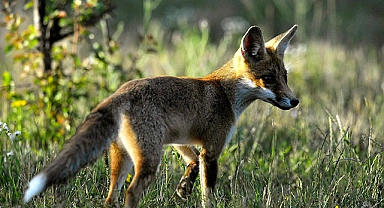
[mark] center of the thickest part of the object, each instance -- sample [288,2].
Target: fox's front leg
[190,156]
[208,175]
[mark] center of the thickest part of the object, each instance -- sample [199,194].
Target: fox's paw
[111,203]
[184,189]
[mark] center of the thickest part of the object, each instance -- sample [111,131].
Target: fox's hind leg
[145,163]
[190,156]
[145,150]
[121,164]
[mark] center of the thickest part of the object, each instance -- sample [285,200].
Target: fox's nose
[294,102]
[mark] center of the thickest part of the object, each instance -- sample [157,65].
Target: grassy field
[327,152]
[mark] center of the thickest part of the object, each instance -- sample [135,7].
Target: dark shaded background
[348,22]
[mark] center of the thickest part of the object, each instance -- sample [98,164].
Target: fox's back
[180,109]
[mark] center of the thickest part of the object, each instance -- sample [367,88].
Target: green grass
[327,152]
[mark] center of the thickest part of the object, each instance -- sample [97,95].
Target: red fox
[145,114]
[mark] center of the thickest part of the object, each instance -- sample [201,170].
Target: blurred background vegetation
[335,65]
[123,36]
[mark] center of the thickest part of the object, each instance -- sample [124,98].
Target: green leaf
[8,48]
[28,5]
[76,60]
[7,78]
[64,22]
[33,43]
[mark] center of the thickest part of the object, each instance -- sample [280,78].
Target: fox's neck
[240,91]
[226,72]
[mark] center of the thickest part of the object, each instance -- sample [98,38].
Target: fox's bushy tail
[90,140]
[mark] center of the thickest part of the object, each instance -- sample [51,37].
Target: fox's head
[261,68]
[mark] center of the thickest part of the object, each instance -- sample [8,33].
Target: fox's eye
[268,79]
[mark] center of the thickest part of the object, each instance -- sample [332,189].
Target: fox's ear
[252,44]
[280,42]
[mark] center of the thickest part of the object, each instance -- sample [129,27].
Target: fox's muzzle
[285,103]
[294,102]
